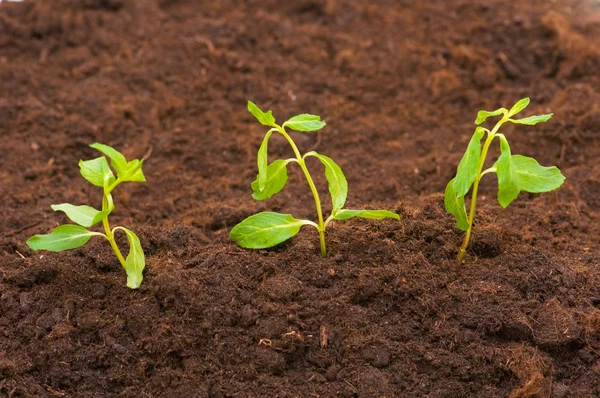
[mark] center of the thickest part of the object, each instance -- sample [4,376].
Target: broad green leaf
[346,214]
[85,216]
[338,186]
[508,180]
[135,261]
[117,160]
[455,205]
[534,177]
[95,170]
[469,164]
[305,122]
[133,171]
[265,118]
[64,237]
[265,229]
[532,120]
[276,179]
[518,107]
[483,115]
[262,161]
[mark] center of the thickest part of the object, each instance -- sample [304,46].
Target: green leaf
[305,122]
[455,205]
[532,120]
[483,115]
[133,171]
[276,179]
[262,161]
[518,107]
[96,170]
[338,186]
[83,215]
[508,180]
[135,261]
[117,160]
[346,214]
[64,237]
[534,177]
[265,118]
[265,229]
[518,173]
[469,164]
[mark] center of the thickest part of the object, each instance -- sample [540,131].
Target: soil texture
[389,313]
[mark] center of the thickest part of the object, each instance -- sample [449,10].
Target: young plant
[267,229]
[70,236]
[515,173]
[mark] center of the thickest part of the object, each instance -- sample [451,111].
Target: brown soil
[389,313]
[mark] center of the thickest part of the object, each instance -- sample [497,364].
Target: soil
[389,313]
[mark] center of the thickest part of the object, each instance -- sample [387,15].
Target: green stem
[110,236]
[484,151]
[113,186]
[313,188]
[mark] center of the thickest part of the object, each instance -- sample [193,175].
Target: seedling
[70,236]
[267,229]
[515,173]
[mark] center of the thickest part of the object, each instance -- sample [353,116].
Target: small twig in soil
[323,338]
[18,231]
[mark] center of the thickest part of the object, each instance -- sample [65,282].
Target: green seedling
[267,229]
[515,173]
[70,236]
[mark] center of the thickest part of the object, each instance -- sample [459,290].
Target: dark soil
[389,313]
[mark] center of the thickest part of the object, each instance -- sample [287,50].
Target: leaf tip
[31,242]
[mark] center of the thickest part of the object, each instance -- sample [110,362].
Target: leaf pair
[97,171]
[267,229]
[482,116]
[67,237]
[303,122]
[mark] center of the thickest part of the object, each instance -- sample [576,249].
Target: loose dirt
[389,313]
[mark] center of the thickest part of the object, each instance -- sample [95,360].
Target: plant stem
[313,189]
[110,236]
[484,151]
[113,186]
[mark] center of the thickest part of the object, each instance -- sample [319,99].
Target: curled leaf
[338,185]
[135,261]
[469,164]
[483,115]
[455,205]
[277,177]
[262,161]
[508,180]
[265,118]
